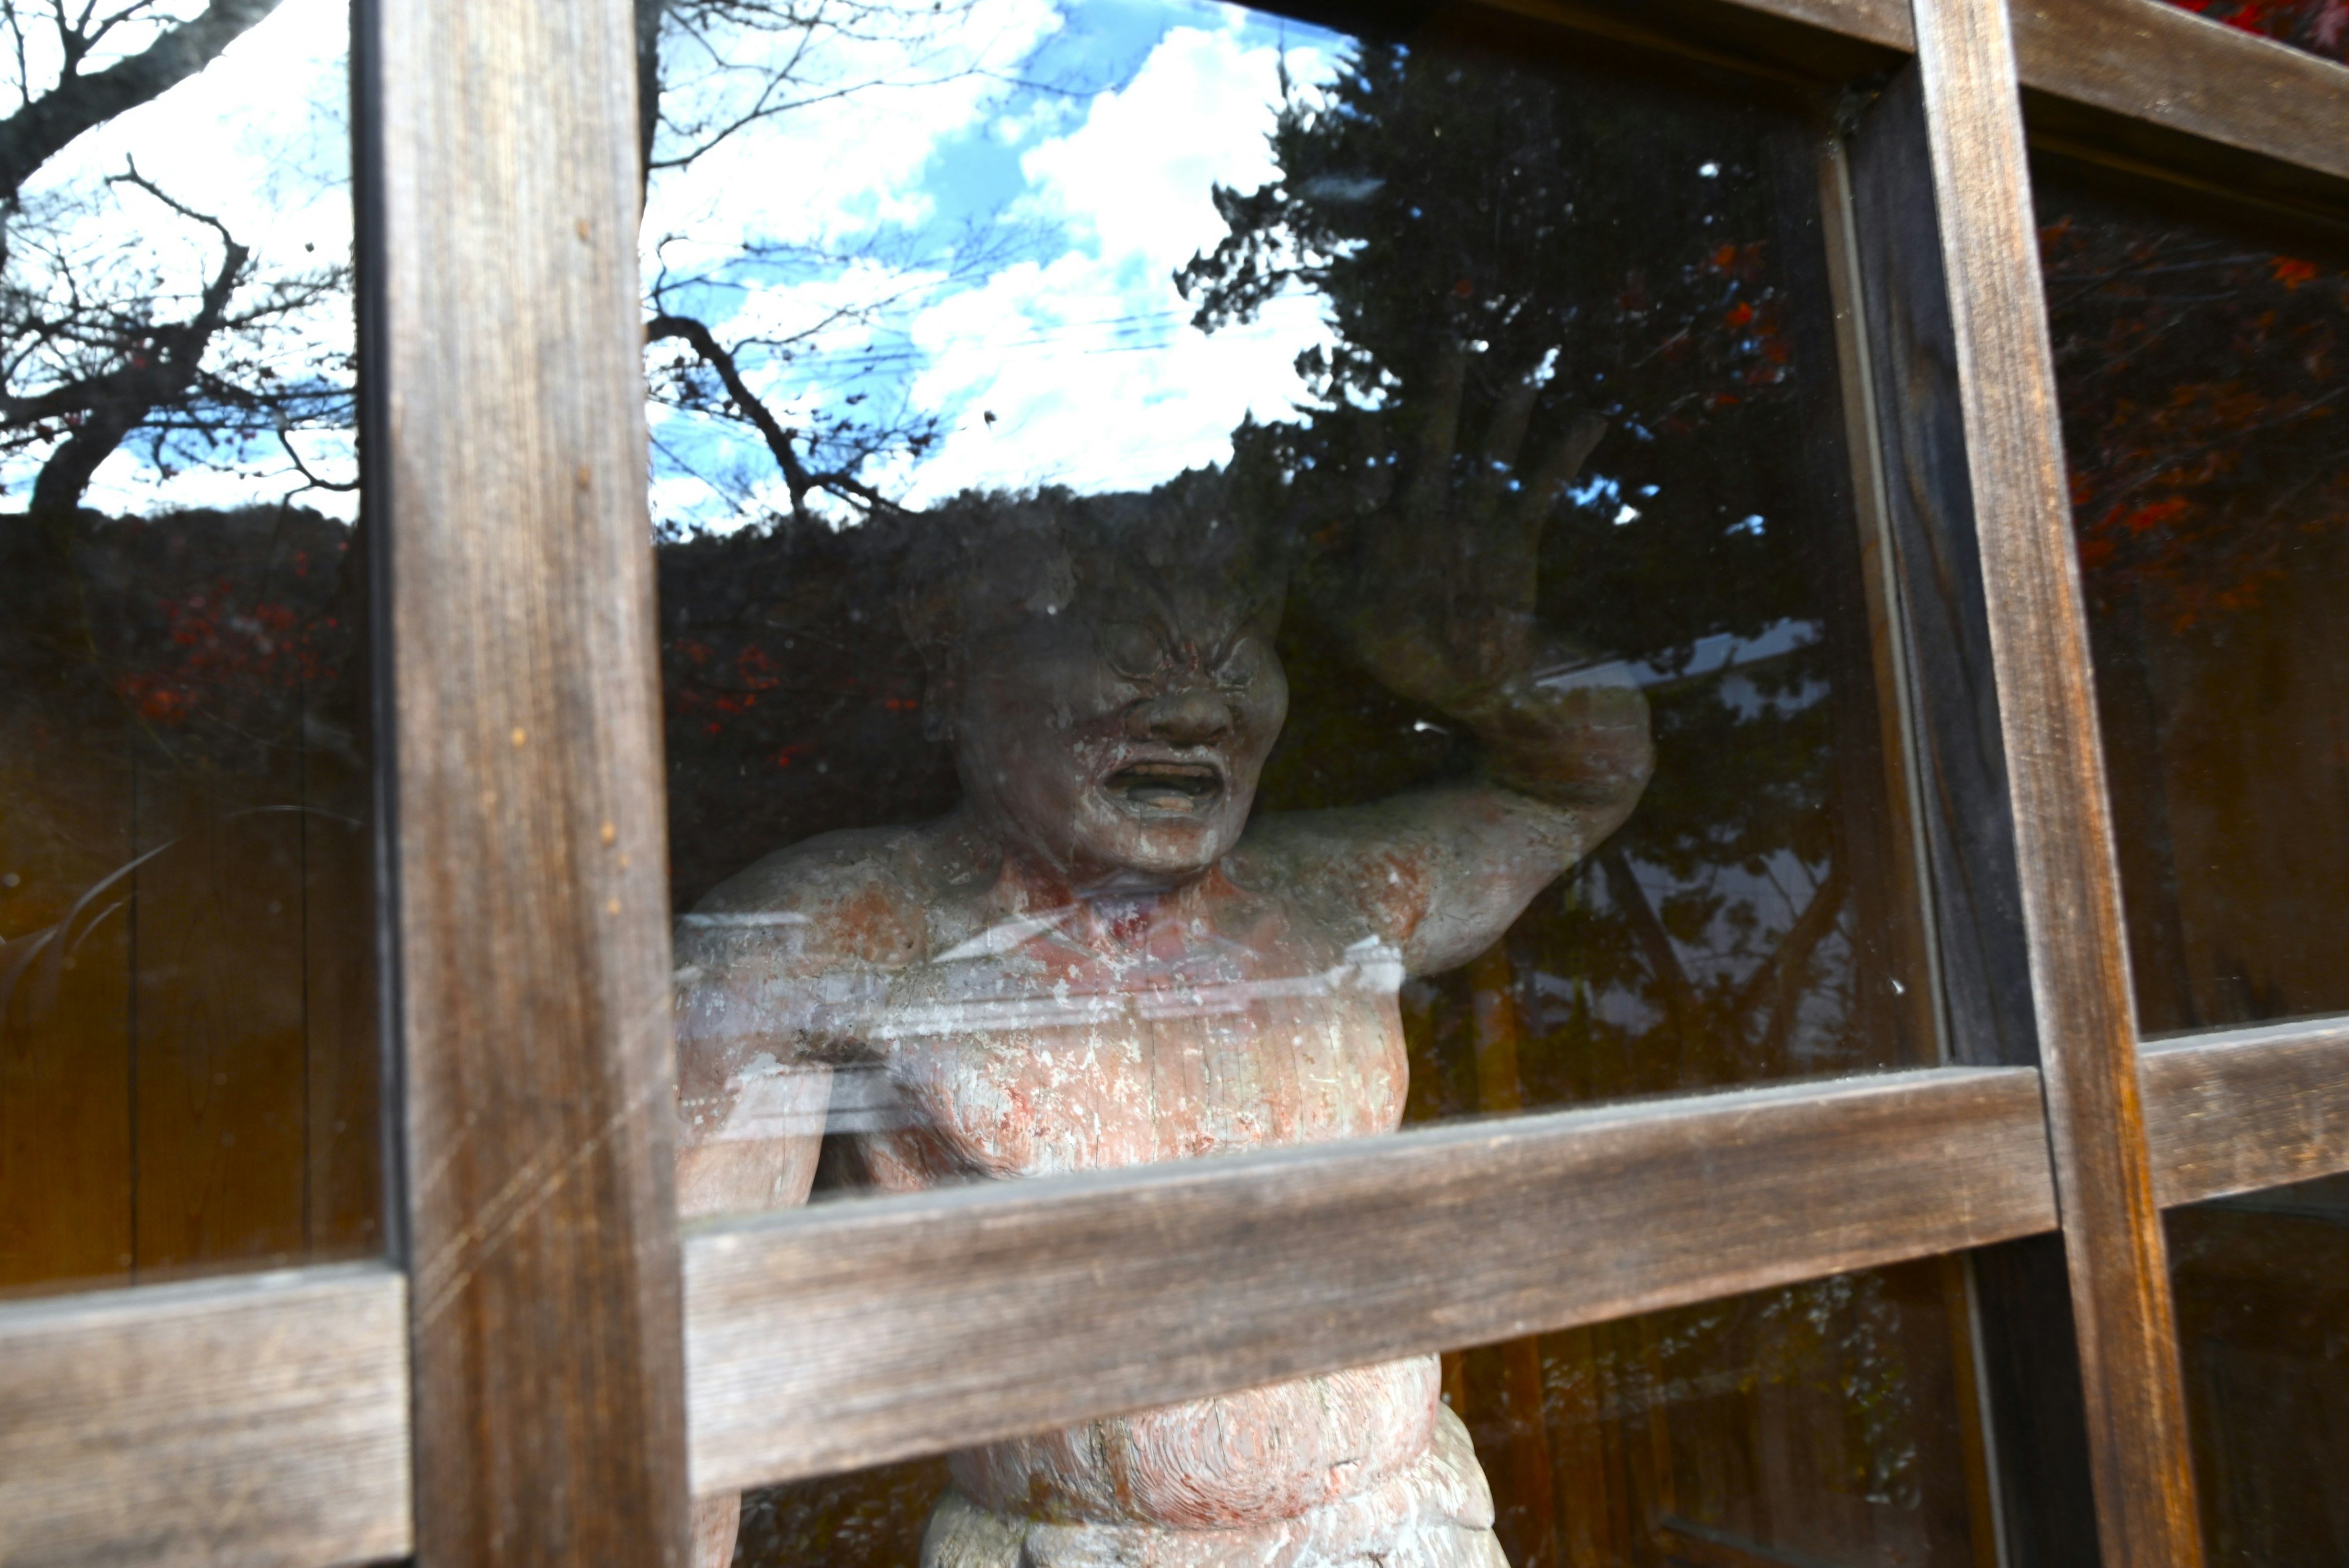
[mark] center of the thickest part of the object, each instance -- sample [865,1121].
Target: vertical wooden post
[508,451]
[2029,1365]
[2063,833]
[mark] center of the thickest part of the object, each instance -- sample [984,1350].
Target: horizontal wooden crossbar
[264,1418]
[2145,60]
[864,1331]
[256,1419]
[2246,1110]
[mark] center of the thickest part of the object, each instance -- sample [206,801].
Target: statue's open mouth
[1166,788]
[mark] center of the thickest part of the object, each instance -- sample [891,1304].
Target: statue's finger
[1506,435]
[1558,469]
[1439,433]
[1503,439]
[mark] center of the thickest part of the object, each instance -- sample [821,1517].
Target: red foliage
[216,647]
[2319,27]
[2201,408]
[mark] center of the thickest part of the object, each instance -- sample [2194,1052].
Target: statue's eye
[1133,650]
[1246,664]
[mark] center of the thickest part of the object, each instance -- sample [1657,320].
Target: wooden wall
[189,1074]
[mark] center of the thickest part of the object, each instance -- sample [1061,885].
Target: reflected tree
[103,342]
[1493,269]
[711,71]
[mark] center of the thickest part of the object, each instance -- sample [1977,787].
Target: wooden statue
[1099,959]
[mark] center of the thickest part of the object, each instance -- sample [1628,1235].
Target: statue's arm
[751,1103]
[1440,872]
[777,970]
[1426,572]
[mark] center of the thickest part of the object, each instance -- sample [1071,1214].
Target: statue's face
[1122,745]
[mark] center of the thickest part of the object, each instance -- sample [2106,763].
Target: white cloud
[870,114]
[1080,348]
[1088,361]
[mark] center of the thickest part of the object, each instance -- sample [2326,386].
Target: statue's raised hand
[1429,575]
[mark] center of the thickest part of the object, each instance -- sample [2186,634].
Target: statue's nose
[1186,718]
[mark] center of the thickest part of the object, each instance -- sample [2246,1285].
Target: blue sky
[994,213]
[1075,144]
[260,140]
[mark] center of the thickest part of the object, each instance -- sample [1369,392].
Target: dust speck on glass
[188,1049]
[1225,584]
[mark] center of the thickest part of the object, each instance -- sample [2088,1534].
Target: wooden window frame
[549,1332]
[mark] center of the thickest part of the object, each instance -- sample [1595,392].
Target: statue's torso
[1130,1035]
[1119,1035]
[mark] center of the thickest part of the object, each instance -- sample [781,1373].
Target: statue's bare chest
[1058,1049]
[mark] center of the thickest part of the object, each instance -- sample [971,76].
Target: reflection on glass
[2319,27]
[2262,1288]
[187,1042]
[2202,384]
[1187,539]
[1823,1424]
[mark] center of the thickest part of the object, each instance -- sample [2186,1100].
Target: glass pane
[1823,1424]
[188,1074]
[2201,385]
[1180,558]
[2319,27]
[2262,1288]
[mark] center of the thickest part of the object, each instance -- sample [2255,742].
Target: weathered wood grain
[2247,1108]
[847,1335]
[1882,22]
[262,1418]
[2153,61]
[2021,1309]
[2047,716]
[256,1420]
[531,910]
[1909,380]
[2147,61]
[1880,832]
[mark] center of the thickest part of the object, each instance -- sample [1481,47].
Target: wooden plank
[1876,748]
[2006,383]
[531,913]
[2154,78]
[66,1196]
[2029,1365]
[256,1420]
[1883,22]
[2152,61]
[2247,1108]
[219,1117]
[1811,41]
[851,1333]
[1909,375]
[263,1418]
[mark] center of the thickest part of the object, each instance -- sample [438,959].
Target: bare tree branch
[312,482]
[1655,942]
[122,398]
[38,131]
[1786,974]
[796,476]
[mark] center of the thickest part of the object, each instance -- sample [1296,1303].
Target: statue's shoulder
[852,896]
